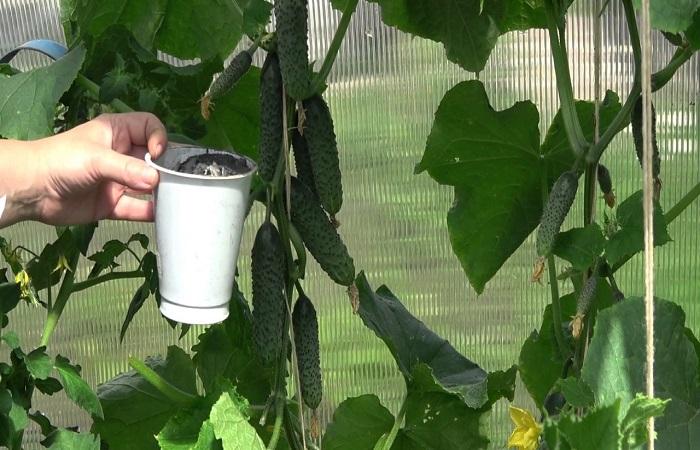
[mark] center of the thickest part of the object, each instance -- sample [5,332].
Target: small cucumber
[271,126]
[558,205]
[268,275]
[605,183]
[638,136]
[319,235]
[583,304]
[323,153]
[238,67]
[302,160]
[305,326]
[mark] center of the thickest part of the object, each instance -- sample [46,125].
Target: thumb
[126,170]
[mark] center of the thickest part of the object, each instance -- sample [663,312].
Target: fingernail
[149,176]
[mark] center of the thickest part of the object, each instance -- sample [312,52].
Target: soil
[214,165]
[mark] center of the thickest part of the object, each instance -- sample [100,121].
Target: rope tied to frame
[645,40]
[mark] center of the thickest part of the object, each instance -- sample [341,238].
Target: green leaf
[11,339]
[576,392]
[580,246]
[614,367]
[235,120]
[9,297]
[629,239]
[206,440]
[231,425]
[501,384]
[692,34]
[358,423]
[76,388]
[671,15]
[48,386]
[28,100]
[540,363]
[68,440]
[468,29]
[205,28]
[384,314]
[39,363]
[438,421]
[186,29]
[182,430]
[226,350]
[135,411]
[634,425]
[494,161]
[598,429]
[137,301]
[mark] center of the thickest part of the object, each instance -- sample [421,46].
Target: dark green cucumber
[558,205]
[319,235]
[268,273]
[238,67]
[292,46]
[323,153]
[637,134]
[305,326]
[583,304]
[271,124]
[302,160]
[605,184]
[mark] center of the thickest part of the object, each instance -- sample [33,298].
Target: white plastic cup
[199,222]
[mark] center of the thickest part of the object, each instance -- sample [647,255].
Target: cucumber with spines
[235,70]
[271,117]
[302,160]
[319,235]
[638,137]
[305,325]
[323,153]
[291,18]
[269,273]
[555,210]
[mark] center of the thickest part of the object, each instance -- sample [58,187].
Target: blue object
[48,47]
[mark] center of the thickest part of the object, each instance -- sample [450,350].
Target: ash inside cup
[214,165]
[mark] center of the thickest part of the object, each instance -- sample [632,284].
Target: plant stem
[279,415]
[173,393]
[64,293]
[391,437]
[332,52]
[574,133]
[90,282]
[94,89]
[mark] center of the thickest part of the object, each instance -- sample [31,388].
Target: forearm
[18,181]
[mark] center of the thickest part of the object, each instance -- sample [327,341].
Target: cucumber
[268,273]
[558,205]
[238,67]
[583,304]
[302,160]
[323,153]
[605,184]
[305,326]
[292,46]
[638,136]
[271,124]
[319,235]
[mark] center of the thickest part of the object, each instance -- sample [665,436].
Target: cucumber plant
[254,380]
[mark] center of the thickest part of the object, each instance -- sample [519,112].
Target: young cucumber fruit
[292,46]
[558,205]
[605,184]
[268,273]
[583,304]
[638,136]
[302,160]
[319,235]
[238,67]
[305,326]
[323,153]
[271,125]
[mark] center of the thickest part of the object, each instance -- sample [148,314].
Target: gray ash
[214,165]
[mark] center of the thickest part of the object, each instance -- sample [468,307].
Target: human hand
[87,173]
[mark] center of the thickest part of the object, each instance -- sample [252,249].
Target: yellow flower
[22,278]
[62,264]
[526,434]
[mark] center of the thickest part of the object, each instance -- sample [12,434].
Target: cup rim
[251,163]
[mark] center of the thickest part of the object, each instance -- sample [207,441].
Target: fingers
[134,209]
[125,170]
[137,129]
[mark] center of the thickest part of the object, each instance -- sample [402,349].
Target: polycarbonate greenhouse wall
[383,92]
